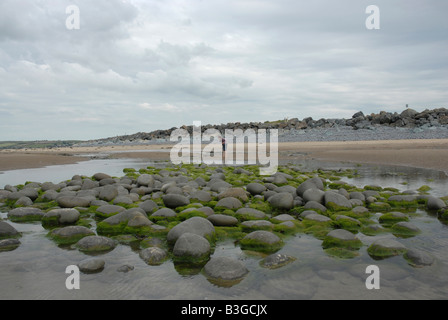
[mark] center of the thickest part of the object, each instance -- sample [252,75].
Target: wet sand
[429,153]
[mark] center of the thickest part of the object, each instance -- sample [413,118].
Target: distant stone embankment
[410,124]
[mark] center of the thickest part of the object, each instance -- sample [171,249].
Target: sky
[133,66]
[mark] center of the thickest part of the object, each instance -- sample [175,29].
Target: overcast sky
[142,65]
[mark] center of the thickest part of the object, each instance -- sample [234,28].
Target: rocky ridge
[409,124]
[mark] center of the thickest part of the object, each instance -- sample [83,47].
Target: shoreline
[418,153]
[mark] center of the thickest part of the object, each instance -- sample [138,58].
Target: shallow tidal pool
[36,269]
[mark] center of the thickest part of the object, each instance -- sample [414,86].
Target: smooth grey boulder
[108,193]
[201,195]
[250,213]
[9,244]
[88,184]
[91,265]
[24,201]
[282,201]
[164,212]
[435,203]
[336,201]
[148,206]
[62,216]
[255,188]
[7,230]
[257,224]
[196,225]
[100,176]
[229,203]
[263,237]
[72,202]
[25,213]
[238,193]
[95,244]
[314,194]
[174,200]
[283,217]
[225,268]
[191,247]
[312,183]
[418,258]
[110,209]
[153,255]
[70,233]
[146,180]
[316,217]
[222,220]
[315,205]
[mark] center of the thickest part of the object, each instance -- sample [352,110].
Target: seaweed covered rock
[61,216]
[196,225]
[69,234]
[225,268]
[25,214]
[91,244]
[191,248]
[8,231]
[261,240]
[385,248]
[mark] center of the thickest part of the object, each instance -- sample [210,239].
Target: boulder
[61,216]
[238,193]
[146,180]
[314,194]
[255,188]
[229,203]
[418,258]
[312,183]
[384,248]
[191,248]
[108,193]
[201,195]
[435,203]
[72,202]
[282,201]
[164,212]
[9,244]
[100,176]
[261,240]
[91,265]
[95,244]
[25,214]
[225,268]
[8,231]
[342,239]
[70,234]
[222,220]
[250,213]
[336,201]
[153,255]
[148,206]
[196,225]
[174,200]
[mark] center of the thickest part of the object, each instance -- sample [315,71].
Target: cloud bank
[145,65]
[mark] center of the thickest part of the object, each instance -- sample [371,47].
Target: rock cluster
[180,213]
[408,118]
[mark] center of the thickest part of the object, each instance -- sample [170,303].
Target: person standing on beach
[224,147]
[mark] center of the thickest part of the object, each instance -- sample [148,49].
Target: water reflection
[36,269]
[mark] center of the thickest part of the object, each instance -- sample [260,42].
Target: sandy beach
[426,153]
